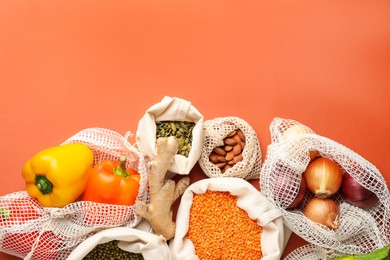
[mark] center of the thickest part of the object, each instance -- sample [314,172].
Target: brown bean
[241,135]
[228,148]
[237,149]
[213,157]
[231,162]
[230,141]
[237,138]
[232,133]
[219,151]
[237,158]
[229,156]
[221,158]
[220,165]
[227,167]
[242,145]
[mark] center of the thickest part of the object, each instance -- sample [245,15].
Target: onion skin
[356,194]
[323,177]
[323,211]
[300,196]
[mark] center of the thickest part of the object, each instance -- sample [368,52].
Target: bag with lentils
[172,117]
[227,218]
[230,149]
[328,194]
[122,243]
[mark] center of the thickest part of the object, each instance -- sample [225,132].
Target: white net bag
[31,231]
[172,110]
[361,230]
[221,136]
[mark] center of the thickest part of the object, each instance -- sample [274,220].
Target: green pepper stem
[43,184]
[5,213]
[121,170]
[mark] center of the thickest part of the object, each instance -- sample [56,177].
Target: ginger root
[163,192]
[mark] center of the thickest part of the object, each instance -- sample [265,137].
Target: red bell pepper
[112,183]
[19,212]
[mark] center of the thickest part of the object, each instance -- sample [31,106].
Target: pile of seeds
[182,130]
[110,250]
[227,155]
[219,229]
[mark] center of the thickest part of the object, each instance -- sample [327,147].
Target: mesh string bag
[29,230]
[360,230]
[214,133]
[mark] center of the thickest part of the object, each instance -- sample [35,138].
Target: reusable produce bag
[215,131]
[132,240]
[171,109]
[31,231]
[273,236]
[360,230]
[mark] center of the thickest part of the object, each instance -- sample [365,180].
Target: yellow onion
[323,211]
[294,130]
[356,194]
[323,177]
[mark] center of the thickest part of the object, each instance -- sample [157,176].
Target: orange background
[70,65]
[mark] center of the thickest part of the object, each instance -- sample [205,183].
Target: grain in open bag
[131,243]
[173,112]
[257,209]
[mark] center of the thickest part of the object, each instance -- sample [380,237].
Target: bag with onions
[328,194]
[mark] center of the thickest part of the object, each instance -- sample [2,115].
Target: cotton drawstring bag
[273,236]
[360,230]
[56,232]
[171,109]
[215,131]
[132,240]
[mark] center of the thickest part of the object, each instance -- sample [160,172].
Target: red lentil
[219,229]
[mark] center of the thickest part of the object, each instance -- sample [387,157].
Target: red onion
[356,194]
[301,194]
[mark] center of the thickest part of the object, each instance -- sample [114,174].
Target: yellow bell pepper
[57,176]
